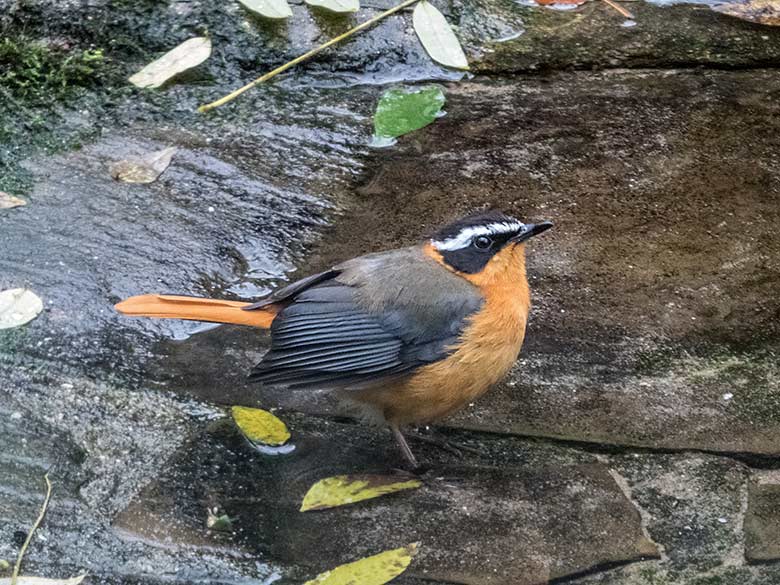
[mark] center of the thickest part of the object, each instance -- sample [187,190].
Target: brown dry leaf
[9,201]
[760,11]
[143,169]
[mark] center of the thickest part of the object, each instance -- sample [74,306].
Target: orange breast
[489,347]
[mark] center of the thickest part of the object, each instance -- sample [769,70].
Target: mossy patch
[37,79]
[41,73]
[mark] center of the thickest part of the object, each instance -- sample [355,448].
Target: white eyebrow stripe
[465,236]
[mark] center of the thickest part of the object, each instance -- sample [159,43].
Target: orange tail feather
[195,309]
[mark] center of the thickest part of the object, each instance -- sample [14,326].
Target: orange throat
[487,349]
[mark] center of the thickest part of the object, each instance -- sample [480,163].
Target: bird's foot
[453,447]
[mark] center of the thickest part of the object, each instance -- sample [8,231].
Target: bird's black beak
[531,230]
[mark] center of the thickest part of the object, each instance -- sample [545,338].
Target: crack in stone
[644,516]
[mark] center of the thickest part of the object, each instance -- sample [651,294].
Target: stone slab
[476,524]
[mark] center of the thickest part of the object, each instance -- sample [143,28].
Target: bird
[402,337]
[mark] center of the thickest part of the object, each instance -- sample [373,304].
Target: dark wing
[332,335]
[289,291]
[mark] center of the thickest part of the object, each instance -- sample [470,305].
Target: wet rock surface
[762,523]
[654,337]
[504,523]
[655,321]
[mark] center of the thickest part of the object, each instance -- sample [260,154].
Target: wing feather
[355,331]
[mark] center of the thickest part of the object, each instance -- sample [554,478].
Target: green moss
[10,340]
[712,580]
[651,576]
[37,79]
[38,73]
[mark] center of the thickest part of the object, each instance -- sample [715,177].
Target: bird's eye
[482,242]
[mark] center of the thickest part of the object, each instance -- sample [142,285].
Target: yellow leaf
[376,570]
[9,201]
[336,5]
[340,490]
[268,8]
[187,55]
[260,426]
[437,37]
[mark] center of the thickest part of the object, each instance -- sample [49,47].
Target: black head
[469,243]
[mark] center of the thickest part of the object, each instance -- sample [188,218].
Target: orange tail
[195,309]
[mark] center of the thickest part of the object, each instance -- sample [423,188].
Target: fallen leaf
[399,111]
[437,37]
[760,11]
[189,54]
[376,570]
[18,306]
[341,490]
[9,201]
[268,8]
[260,426]
[223,523]
[144,169]
[570,2]
[336,5]
[22,580]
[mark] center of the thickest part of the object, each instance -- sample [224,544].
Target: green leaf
[260,426]
[340,490]
[41,581]
[268,8]
[399,111]
[336,5]
[376,570]
[18,306]
[187,55]
[223,523]
[437,37]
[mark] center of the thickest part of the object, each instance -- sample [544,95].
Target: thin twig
[304,57]
[42,513]
[620,9]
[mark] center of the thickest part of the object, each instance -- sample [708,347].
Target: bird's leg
[399,438]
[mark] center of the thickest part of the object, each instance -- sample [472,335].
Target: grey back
[368,319]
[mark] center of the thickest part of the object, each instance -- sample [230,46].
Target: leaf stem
[619,8]
[41,514]
[371,21]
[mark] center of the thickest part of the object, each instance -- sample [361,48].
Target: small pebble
[728,396]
